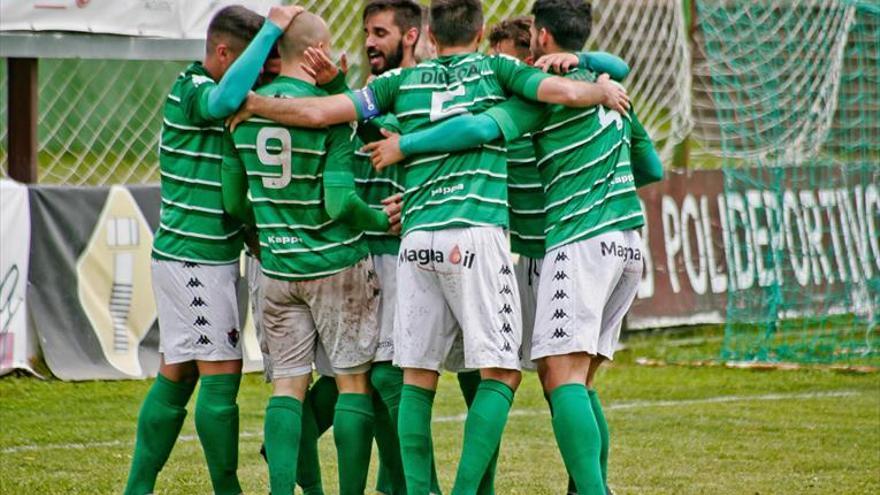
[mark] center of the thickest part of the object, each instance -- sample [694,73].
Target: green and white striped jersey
[452,190]
[192,225]
[526,197]
[285,166]
[373,187]
[583,157]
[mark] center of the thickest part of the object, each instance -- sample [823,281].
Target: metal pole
[22,119]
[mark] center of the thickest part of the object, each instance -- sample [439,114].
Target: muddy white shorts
[528,276]
[340,310]
[457,282]
[586,289]
[386,268]
[198,311]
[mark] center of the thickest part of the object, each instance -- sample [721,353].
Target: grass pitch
[675,430]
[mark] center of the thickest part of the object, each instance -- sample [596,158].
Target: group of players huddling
[380,225]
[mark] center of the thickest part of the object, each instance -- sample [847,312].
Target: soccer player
[586,161]
[195,255]
[454,260]
[318,280]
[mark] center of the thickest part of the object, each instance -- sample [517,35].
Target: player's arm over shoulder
[341,201]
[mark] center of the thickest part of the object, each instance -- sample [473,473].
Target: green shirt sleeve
[340,197]
[233,184]
[603,62]
[646,165]
[516,77]
[194,93]
[337,86]
[378,97]
[518,116]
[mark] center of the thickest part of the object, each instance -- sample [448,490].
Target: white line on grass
[457,418]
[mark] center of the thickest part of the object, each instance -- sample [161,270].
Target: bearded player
[590,162]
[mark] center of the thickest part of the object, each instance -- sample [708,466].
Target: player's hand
[559,63]
[386,152]
[283,16]
[243,113]
[319,65]
[392,206]
[615,96]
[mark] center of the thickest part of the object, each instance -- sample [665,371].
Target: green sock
[577,436]
[482,434]
[468,381]
[308,466]
[387,381]
[414,431]
[323,395]
[603,432]
[217,426]
[159,422]
[281,431]
[572,489]
[353,433]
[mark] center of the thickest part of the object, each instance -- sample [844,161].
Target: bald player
[318,279]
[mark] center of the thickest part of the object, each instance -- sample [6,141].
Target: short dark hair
[456,22]
[236,24]
[569,21]
[515,29]
[407,13]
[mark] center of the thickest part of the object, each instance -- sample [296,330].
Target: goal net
[795,90]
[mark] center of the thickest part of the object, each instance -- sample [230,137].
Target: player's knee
[511,378]
[355,383]
[295,386]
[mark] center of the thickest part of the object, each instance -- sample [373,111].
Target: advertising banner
[90,286]
[813,242]
[17,345]
[177,19]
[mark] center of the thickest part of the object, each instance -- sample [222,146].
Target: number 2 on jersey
[283,158]
[607,117]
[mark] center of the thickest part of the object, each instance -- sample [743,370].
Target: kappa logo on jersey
[506,347]
[232,337]
[560,294]
[559,314]
[274,239]
[190,264]
[505,290]
[203,340]
[505,310]
[505,270]
[197,302]
[194,282]
[506,328]
[421,256]
[466,260]
[561,256]
[560,276]
[444,190]
[201,321]
[559,334]
[624,252]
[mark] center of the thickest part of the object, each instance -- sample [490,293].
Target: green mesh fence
[796,88]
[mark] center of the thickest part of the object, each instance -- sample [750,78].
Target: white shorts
[586,289]
[386,268]
[254,273]
[340,310]
[457,282]
[198,311]
[528,276]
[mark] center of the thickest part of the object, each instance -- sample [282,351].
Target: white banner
[177,19]
[17,346]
